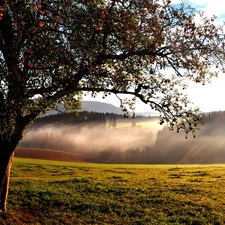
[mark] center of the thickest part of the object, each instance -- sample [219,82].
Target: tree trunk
[6,156]
[8,142]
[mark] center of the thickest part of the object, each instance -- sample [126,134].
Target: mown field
[48,192]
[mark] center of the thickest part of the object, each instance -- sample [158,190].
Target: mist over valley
[113,139]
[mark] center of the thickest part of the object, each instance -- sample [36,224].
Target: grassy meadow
[48,192]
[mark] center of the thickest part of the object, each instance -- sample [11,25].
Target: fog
[207,147]
[146,142]
[95,140]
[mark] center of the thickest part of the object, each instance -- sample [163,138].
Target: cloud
[210,96]
[210,7]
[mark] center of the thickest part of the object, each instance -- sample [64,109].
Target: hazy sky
[209,97]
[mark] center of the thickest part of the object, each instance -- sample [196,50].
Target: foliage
[44,192]
[51,51]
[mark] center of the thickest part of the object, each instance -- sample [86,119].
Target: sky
[209,97]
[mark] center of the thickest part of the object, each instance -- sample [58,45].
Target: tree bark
[8,145]
[6,156]
[5,186]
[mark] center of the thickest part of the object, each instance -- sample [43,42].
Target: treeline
[207,147]
[216,116]
[72,118]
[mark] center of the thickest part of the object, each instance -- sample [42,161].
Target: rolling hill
[90,106]
[46,154]
[94,106]
[101,107]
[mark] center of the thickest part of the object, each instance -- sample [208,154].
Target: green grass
[45,192]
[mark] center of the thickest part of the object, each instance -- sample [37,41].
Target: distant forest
[84,117]
[91,134]
[207,147]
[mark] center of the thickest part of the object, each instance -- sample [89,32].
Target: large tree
[51,51]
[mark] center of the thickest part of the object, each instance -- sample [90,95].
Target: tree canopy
[51,51]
